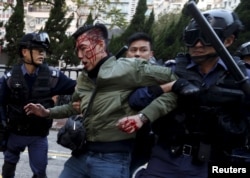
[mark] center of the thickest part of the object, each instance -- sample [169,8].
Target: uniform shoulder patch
[7,74]
[54,72]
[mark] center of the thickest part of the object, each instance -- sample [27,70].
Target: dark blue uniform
[18,89]
[191,127]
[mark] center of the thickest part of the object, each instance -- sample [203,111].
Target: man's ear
[102,44]
[229,40]
[24,52]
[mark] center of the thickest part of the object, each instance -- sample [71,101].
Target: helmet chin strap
[32,61]
[200,59]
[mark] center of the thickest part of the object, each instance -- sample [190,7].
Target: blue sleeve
[64,86]
[142,97]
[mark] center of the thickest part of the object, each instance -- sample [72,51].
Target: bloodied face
[91,48]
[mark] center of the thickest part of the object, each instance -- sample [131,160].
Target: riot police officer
[244,53]
[30,81]
[243,153]
[207,125]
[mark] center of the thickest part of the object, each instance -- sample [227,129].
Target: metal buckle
[187,150]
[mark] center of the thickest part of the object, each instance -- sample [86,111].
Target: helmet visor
[245,51]
[191,37]
[41,38]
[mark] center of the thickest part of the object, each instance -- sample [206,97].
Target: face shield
[243,50]
[191,37]
[40,40]
[223,22]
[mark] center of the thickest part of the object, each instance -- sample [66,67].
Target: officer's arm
[64,85]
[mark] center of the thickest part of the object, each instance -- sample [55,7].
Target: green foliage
[149,24]
[137,24]
[14,32]
[168,35]
[117,18]
[68,55]
[90,19]
[243,13]
[56,27]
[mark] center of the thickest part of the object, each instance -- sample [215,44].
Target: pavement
[57,156]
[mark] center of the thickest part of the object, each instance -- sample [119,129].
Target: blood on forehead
[93,36]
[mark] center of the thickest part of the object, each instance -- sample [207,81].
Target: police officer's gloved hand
[184,87]
[245,86]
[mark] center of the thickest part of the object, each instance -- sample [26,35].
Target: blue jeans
[97,165]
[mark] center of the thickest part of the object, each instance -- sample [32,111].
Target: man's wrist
[143,118]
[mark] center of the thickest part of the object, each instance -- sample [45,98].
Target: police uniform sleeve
[141,97]
[63,85]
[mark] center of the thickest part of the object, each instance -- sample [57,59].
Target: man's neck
[93,73]
[207,65]
[30,68]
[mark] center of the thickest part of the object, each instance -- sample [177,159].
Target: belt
[185,149]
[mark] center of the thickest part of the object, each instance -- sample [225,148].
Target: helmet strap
[200,59]
[32,61]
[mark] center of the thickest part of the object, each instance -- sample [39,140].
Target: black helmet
[243,50]
[224,23]
[35,40]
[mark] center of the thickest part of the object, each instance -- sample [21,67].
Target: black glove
[183,87]
[245,85]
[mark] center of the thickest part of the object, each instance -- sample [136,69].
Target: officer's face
[90,49]
[140,49]
[199,49]
[34,55]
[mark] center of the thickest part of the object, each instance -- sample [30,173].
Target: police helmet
[35,40]
[224,23]
[243,50]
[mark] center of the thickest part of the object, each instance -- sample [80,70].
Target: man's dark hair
[87,27]
[139,36]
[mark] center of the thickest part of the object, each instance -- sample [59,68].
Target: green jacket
[115,81]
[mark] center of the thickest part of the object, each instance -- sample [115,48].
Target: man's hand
[130,124]
[36,109]
[77,106]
